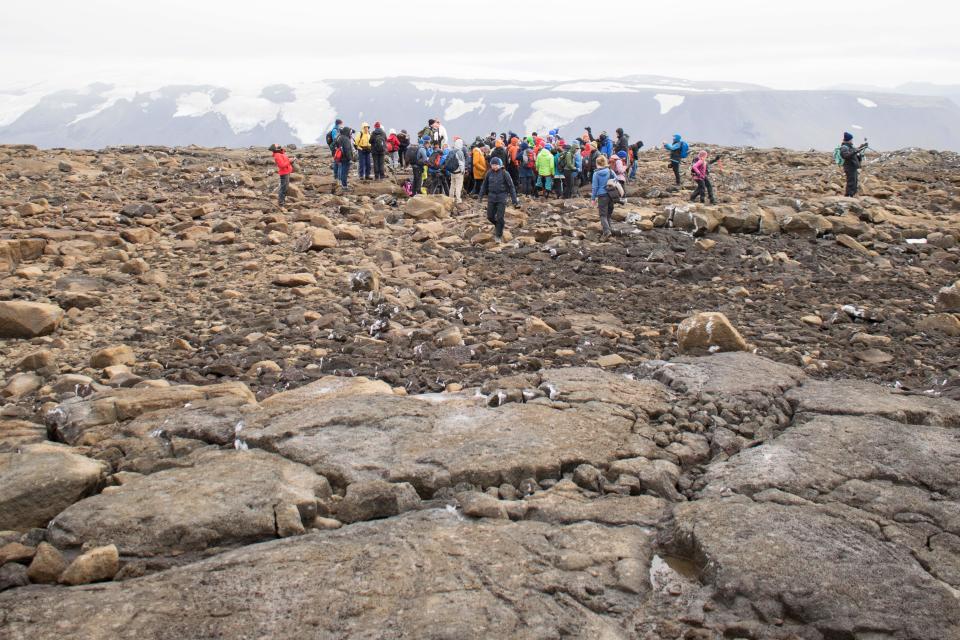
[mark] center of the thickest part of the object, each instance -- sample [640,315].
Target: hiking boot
[498,239]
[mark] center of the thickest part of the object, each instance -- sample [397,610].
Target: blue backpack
[684,149]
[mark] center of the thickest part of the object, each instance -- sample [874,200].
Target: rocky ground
[359,417]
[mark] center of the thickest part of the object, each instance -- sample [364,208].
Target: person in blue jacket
[423,159]
[605,144]
[600,196]
[677,152]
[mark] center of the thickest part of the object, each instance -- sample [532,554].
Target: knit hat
[847,136]
[425,140]
[339,121]
[622,155]
[274,148]
[549,147]
[496,162]
[393,132]
[376,125]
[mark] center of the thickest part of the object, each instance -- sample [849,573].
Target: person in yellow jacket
[479,168]
[362,142]
[545,171]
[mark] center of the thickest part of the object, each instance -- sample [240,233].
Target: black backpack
[379,144]
[452,165]
[329,137]
[410,155]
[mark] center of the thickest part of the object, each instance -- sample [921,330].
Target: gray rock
[43,480]
[428,574]
[371,499]
[225,497]
[13,575]
[727,374]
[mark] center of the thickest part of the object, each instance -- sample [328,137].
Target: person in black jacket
[378,144]
[404,139]
[497,185]
[623,141]
[852,157]
[344,143]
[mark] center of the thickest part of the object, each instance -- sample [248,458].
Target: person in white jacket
[456,177]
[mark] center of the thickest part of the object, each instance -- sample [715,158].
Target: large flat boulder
[22,319]
[728,374]
[425,575]
[798,569]
[224,497]
[858,398]
[41,480]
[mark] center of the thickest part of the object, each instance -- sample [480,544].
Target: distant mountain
[650,108]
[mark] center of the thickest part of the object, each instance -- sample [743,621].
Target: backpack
[410,155]
[531,159]
[329,137]
[435,159]
[568,162]
[452,165]
[837,157]
[379,145]
[408,187]
[337,154]
[614,190]
[684,149]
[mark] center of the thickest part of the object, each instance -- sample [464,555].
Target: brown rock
[294,279]
[16,552]
[97,565]
[316,239]
[111,356]
[948,299]
[708,333]
[47,565]
[138,235]
[945,323]
[19,319]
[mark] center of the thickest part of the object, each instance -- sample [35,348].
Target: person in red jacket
[284,168]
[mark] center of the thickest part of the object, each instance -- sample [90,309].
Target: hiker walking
[343,154]
[635,155]
[600,195]
[678,151]
[497,185]
[619,167]
[378,147]
[701,176]
[364,151]
[852,158]
[284,169]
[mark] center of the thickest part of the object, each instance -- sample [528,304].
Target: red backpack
[531,159]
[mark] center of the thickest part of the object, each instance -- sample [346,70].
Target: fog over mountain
[650,108]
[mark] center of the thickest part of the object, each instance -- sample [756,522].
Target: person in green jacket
[545,170]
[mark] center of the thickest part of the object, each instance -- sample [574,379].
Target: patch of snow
[550,113]
[507,109]
[376,83]
[855,126]
[595,87]
[193,104]
[668,102]
[869,104]
[14,104]
[311,112]
[458,108]
[245,110]
[111,97]
[454,88]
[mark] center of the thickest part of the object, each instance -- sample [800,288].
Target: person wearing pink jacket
[701,176]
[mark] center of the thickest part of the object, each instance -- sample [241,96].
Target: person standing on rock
[420,163]
[599,195]
[364,151]
[852,158]
[332,136]
[678,151]
[378,147]
[528,166]
[701,175]
[619,167]
[497,185]
[404,138]
[545,171]
[568,163]
[635,158]
[456,172]
[343,155]
[622,143]
[479,167]
[393,149]
[284,169]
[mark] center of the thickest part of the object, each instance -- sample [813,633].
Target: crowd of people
[499,167]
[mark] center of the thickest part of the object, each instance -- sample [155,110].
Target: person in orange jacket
[479,167]
[284,169]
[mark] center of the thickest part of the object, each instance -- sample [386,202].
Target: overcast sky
[803,44]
